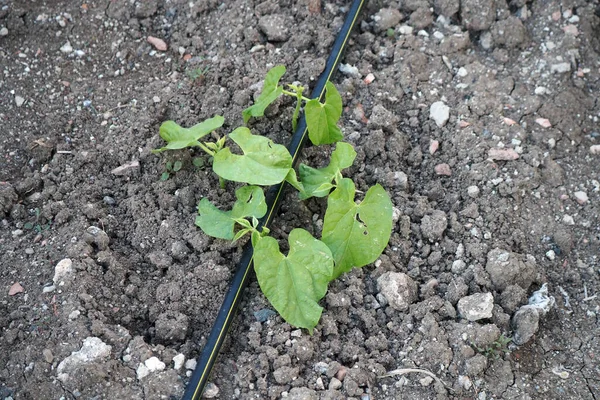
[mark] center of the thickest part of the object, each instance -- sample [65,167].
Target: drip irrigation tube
[274,195]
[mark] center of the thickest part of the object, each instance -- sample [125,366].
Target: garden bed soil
[480,119]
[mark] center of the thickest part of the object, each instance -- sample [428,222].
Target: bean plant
[354,233]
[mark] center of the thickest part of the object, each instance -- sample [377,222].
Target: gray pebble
[399,290]
[433,225]
[477,306]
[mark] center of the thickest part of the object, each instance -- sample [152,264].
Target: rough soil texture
[481,122]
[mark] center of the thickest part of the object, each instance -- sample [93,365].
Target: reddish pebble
[443,169]
[433,146]
[509,121]
[187,56]
[463,124]
[556,15]
[543,122]
[341,374]
[15,288]
[369,78]
[571,30]
[158,44]
[580,73]
[503,154]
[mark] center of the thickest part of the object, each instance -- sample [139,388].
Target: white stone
[399,290]
[66,48]
[462,72]
[567,219]
[142,371]
[438,35]
[211,391]
[540,90]
[440,113]
[178,361]
[477,306]
[348,69]
[190,364]
[19,100]
[93,349]
[63,269]
[581,197]
[551,255]
[473,191]
[154,364]
[560,68]
[3,32]
[595,149]
[406,30]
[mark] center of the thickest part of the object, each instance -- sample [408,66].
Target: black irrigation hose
[274,195]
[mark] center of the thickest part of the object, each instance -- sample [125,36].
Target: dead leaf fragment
[15,289]
[123,169]
[158,44]
[503,154]
[543,122]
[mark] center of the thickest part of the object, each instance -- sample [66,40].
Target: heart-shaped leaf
[270,92]
[263,162]
[356,233]
[220,224]
[178,137]
[314,180]
[294,284]
[322,119]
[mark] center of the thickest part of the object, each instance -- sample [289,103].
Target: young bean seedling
[354,233]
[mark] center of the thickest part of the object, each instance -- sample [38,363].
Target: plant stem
[288,93]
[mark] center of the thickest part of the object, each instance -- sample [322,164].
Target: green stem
[206,149]
[288,93]
[222,182]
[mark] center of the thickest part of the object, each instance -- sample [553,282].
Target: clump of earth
[480,118]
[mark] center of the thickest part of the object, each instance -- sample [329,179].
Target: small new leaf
[270,92]
[220,224]
[263,162]
[356,233]
[295,283]
[322,119]
[317,182]
[178,137]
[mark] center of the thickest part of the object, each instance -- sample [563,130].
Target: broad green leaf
[263,162]
[294,284]
[178,137]
[220,224]
[292,179]
[313,179]
[356,233]
[322,119]
[270,92]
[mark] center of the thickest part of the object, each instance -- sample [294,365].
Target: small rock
[502,154]
[477,306]
[386,18]
[275,27]
[560,68]
[125,168]
[171,326]
[571,30]
[567,219]
[350,70]
[477,15]
[440,113]
[92,350]
[426,381]
[319,384]
[178,361]
[369,78]
[3,31]
[443,169]
[190,364]
[15,288]
[581,197]
[48,356]
[334,384]
[211,391]
[142,371]
[109,201]
[433,225]
[433,146]
[506,268]
[63,269]
[399,290]
[406,30]
[473,191]
[74,315]
[550,255]
[97,237]
[543,122]
[66,48]
[595,149]
[264,314]
[19,101]
[158,44]
[154,364]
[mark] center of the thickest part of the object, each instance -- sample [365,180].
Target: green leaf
[178,137]
[356,233]
[220,224]
[294,284]
[313,179]
[263,162]
[270,92]
[198,162]
[322,119]
[292,179]
[177,166]
[164,176]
